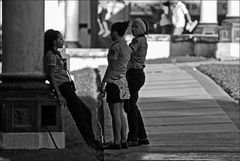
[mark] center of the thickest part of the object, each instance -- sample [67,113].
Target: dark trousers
[136,79]
[80,113]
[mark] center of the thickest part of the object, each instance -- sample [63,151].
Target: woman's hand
[102,88]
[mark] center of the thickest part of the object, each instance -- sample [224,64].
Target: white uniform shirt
[178,14]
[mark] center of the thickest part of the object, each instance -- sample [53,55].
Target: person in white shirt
[179,11]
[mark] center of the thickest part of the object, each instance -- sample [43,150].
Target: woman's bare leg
[116,121]
[124,124]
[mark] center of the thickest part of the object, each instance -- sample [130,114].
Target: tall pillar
[23,34]
[208,18]
[55,15]
[72,24]
[27,104]
[206,38]
[233,9]
[85,23]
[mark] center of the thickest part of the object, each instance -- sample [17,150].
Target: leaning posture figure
[64,87]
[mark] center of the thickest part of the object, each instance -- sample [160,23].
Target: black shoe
[114,146]
[125,145]
[106,144]
[132,143]
[96,145]
[143,142]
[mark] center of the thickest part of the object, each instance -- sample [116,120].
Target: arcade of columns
[208,20]
[22,69]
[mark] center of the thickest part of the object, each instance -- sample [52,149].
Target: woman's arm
[189,18]
[51,77]
[107,75]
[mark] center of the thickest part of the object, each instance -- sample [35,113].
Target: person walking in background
[101,19]
[117,87]
[165,21]
[179,11]
[64,88]
[136,79]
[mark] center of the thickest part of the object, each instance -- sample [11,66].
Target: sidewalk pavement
[187,117]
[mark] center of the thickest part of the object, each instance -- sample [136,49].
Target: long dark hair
[49,36]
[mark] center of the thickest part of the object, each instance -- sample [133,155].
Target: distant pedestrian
[64,88]
[117,86]
[166,20]
[136,79]
[101,19]
[179,11]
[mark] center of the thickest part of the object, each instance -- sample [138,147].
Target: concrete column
[208,18]
[0,13]
[23,33]
[55,15]
[72,24]
[233,8]
[208,11]
[28,104]
[85,23]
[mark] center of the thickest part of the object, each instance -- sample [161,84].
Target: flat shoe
[124,145]
[114,147]
[143,141]
[132,143]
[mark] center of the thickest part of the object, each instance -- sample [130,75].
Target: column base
[207,29]
[228,50]
[73,44]
[181,45]
[230,30]
[32,140]
[4,159]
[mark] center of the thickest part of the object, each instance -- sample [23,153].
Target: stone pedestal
[205,45]
[28,112]
[229,38]
[228,50]
[194,45]
[230,30]
[206,29]
[229,33]
[33,140]
[28,107]
[181,45]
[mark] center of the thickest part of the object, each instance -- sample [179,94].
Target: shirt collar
[57,53]
[117,41]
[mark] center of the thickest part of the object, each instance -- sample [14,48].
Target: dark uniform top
[54,59]
[119,54]
[139,51]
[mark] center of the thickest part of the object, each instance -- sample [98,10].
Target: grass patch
[225,75]
[178,59]
[76,149]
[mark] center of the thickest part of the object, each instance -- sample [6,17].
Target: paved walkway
[185,113]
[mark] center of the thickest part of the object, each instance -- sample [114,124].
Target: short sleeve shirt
[119,55]
[54,60]
[178,14]
[139,48]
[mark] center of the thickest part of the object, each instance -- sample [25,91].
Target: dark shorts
[113,93]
